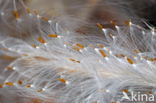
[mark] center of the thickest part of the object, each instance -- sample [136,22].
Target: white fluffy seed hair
[47,60]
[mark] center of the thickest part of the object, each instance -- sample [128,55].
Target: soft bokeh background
[99,10]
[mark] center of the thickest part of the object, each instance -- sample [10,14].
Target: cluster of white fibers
[43,59]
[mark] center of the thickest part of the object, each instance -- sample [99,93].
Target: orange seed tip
[16,14]
[129,60]
[9,83]
[73,60]
[80,45]
[52,35]
[62,80]
[100,26]
[102,53]
[41,40]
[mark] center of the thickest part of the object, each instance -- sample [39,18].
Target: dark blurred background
[100,10]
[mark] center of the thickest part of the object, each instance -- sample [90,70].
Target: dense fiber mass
[59,58]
